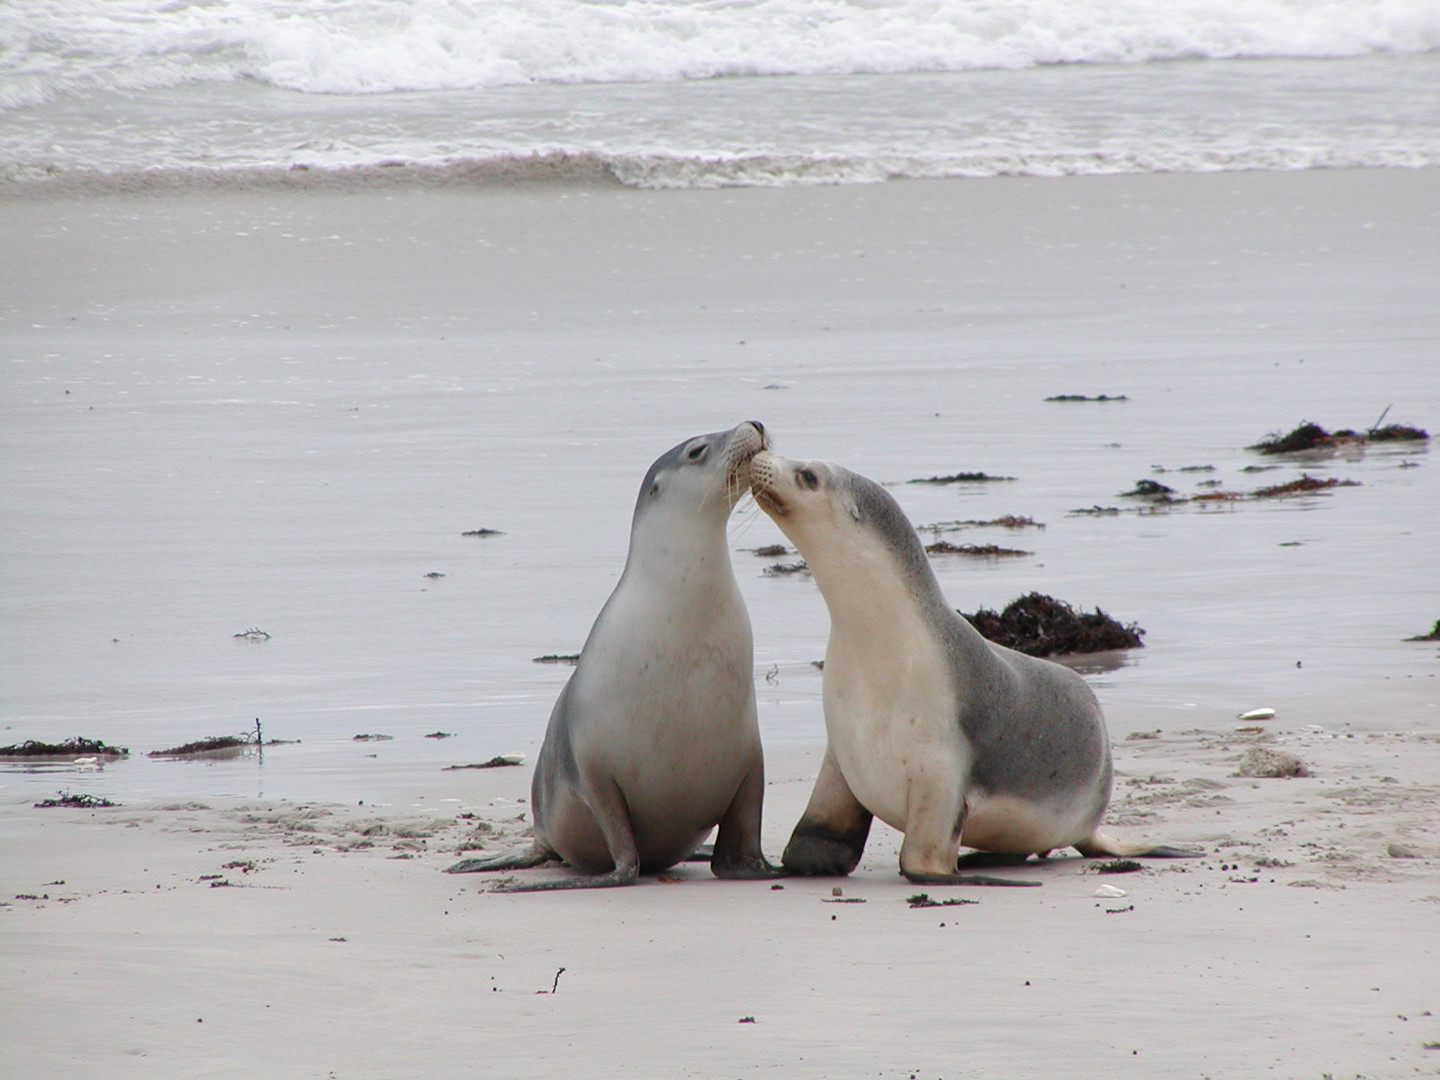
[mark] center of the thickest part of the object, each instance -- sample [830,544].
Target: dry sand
[331,945]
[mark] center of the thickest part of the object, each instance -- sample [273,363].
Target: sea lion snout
[764,477]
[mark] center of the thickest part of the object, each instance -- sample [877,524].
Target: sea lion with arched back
[939,733]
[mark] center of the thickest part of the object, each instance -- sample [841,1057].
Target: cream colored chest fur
[890,712]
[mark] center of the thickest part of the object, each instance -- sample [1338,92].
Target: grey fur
[653,741]
[994,684]
[1033,729]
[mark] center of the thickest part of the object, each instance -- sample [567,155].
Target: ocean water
[677,93]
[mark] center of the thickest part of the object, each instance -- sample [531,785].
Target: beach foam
[373,46]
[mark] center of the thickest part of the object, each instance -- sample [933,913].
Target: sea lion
[939,733]
[654,740]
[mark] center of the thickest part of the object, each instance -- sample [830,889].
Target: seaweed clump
[1397,433]
[960,478]
[770,551]
[1434,634]
[1311,436]
[1040,625]
[218,744]
[78,802]
[76,747]
[924,900]
[1307,436]
[786,569]
[1152,489]
[499,761]
[944,547]
[1306,485]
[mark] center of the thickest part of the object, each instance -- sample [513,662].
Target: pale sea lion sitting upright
[941,734]
[654,741]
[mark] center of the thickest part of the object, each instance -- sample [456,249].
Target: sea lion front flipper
[933,827]
[736,854]
[831,834]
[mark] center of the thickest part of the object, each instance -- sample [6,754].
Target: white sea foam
[143,93]
[795,130]
[51,48]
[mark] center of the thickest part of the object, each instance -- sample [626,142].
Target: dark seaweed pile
[76,747]
[1309,436]
[77,802]
[959,478]
[1040,625]
[944,547]
[206,746]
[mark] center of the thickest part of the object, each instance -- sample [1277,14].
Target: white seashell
[1256,714]
[513,759]
[1109,892]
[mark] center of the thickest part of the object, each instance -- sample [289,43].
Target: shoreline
[407,771]
[537,172]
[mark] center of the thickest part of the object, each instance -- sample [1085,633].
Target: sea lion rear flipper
[963,879]
[577,881]
[514,859]
[1098,845]
[604,801]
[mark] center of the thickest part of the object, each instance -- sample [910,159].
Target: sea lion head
[832,515]
[707,472]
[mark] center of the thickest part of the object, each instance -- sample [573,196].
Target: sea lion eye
[697,453]
[809,479]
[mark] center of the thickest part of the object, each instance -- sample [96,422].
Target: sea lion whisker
[741,522]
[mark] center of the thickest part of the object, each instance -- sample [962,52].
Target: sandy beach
[185,934]
[231,939]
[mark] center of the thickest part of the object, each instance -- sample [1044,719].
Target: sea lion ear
[854,507]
